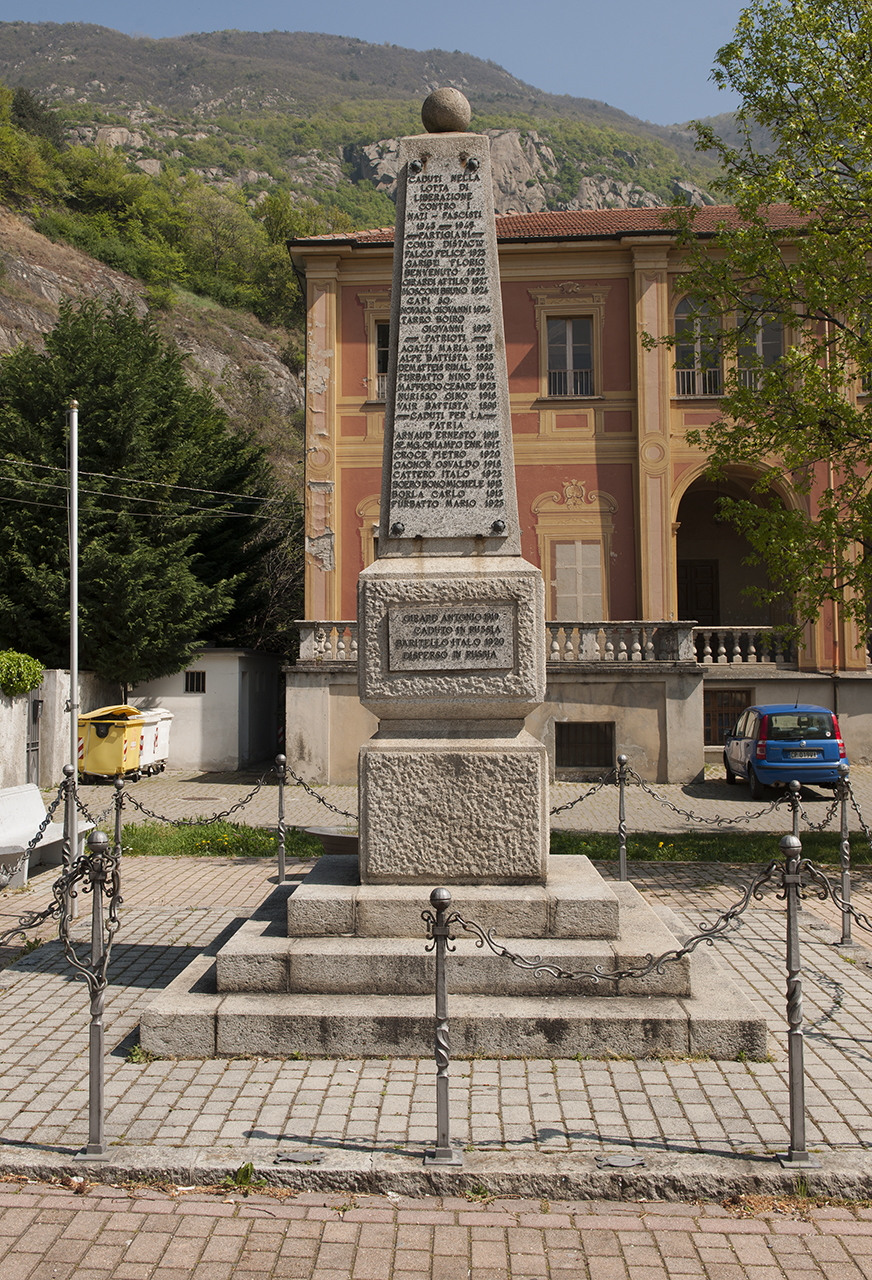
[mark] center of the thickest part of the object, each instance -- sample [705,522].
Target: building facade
[615,505]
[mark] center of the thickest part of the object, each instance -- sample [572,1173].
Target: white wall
[54,729]
[13,734]
[232,724]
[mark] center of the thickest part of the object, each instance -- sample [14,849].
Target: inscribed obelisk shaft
[451,618]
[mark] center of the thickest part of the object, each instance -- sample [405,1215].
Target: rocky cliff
[232,353]
[524,167]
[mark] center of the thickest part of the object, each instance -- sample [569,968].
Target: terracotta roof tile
[579,224]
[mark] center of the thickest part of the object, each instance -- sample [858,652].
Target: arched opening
[713,575]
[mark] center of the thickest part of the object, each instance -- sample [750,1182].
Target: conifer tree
[169,500]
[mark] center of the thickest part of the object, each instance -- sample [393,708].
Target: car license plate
[803,755]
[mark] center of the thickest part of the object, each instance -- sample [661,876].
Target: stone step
[575,903]
[191,1019]
[258,958]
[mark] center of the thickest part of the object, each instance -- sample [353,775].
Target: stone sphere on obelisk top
[446,111]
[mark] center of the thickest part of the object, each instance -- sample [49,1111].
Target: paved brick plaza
[699,1126]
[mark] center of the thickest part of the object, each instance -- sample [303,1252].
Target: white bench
[22,811]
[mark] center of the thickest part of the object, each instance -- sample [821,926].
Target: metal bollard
[794,790]
[70,843]
[99,873]
[281,762]
[843,792]
[797,1154]
[622,817]
[119,805]
[438,931]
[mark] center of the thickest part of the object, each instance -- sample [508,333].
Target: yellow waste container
[109,742]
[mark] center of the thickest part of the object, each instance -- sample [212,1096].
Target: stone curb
[682,1177]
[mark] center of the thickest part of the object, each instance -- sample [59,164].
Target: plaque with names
[450,467]
[457,637]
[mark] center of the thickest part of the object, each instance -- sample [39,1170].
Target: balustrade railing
[328,641]
[619,642]
[336,641]
[722,646]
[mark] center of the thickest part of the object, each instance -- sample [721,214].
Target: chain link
[725,923]
[49,814]
[830,814]
[343,813]
[86,813]
[216,817]
[695,817]
[855,806]
[611,776]
[197,822]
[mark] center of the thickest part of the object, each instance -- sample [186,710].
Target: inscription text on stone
[447,466]
[452,637]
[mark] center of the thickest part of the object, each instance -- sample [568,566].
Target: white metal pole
[74,585]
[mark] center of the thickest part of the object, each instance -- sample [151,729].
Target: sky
[651,59]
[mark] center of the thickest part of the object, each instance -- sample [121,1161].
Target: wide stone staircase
[333,968]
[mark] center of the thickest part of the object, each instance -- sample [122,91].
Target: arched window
[761,342]
[697,350]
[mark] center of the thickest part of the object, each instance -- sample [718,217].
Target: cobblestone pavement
[349,1112]
[187,795]
[112,1233]
[366,1124]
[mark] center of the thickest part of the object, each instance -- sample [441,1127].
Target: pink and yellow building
[654,644]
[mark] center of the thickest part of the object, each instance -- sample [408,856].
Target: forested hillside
[302,112]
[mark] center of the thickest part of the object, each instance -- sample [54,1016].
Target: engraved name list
[447,466]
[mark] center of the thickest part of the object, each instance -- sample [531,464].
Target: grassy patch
[223,839]
[707,846]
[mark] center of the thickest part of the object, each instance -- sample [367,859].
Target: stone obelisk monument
[451,618]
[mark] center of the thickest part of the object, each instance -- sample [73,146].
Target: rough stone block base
[462,810]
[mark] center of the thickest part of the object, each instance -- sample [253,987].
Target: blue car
[772,745]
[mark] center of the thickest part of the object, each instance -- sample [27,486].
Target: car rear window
[800,724]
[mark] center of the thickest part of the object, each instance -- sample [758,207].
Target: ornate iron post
[438,930]
[71,833]
[99,873]
[119,805]
[281,762]
[791,878]
[794,791]
[843,792]
[622,817]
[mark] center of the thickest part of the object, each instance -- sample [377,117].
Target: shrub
[19,673]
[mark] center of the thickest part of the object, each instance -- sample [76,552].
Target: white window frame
[755,339]
[699,378]
[570,300]
[377,311]
[574,516]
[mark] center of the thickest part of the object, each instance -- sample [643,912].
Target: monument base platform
[347,994]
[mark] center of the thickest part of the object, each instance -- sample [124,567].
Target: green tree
[34,116]
[171,521]
[28,170]
[798,255]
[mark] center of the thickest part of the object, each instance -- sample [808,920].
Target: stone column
[451,618]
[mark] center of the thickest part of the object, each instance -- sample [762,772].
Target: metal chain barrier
[343,813]
[696,817]
[855,806]
[197,822]
[611,776]
[98,872]
[49,814]
[830,814]
[97,819]
[788,875]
